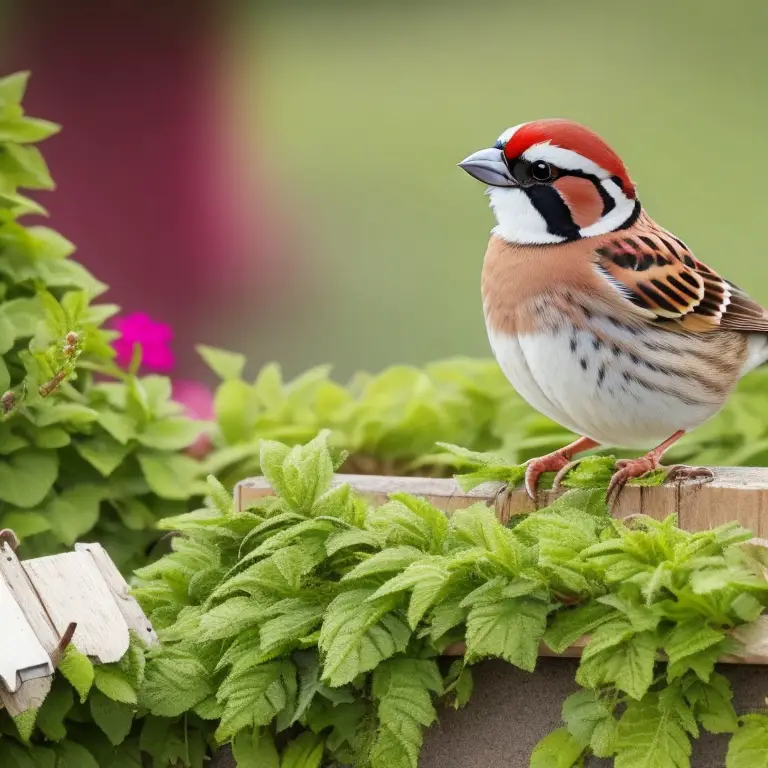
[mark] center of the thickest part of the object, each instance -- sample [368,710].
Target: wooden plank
[32,693]
[72,589]
[22,657]
[126,603]
[735,493]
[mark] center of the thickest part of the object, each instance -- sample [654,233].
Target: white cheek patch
[624,208]
[518,220]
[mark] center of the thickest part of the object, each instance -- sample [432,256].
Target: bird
[602,319]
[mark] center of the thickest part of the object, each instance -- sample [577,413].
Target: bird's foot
[628,469]
[556,461]
[560,476]
[682,472]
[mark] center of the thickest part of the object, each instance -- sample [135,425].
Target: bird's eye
[541,171]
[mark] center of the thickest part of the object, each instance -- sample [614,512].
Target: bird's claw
[628,469]
[535,468]
[560,476]
[682,472]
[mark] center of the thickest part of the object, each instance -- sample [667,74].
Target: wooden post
[736,493]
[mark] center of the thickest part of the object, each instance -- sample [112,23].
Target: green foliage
[325,620]
[85,448]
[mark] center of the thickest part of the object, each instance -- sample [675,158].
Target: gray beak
[488,166]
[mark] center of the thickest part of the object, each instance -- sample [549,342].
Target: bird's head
[552,181]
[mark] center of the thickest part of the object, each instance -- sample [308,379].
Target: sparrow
[600,318]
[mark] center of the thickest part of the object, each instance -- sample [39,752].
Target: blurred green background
[352,117]
[365,109]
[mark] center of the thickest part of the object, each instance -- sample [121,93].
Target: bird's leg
[553,462]
[631,468]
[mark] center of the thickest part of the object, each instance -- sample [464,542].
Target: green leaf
[358,635]
[170,476]
[426,581]
[232,404]
[403,689]
[77,668]
[25,724]
[114,684]
[226,365]
[27,476]
[305,751]
[25,523]
[689,639]
[627,662]
[255,748]
[749,746]
[114,718]
[12,89]
[230,618]
[171,434]
[712,705]
[572,623]
[26,130]
[253,697]
[509,628]
[590,720]
[557,750]
[651,736]
[386,561]
[70,754]
[175,681]
[102,452]
[74,512]
[121,426]
[52,713]
[305,473]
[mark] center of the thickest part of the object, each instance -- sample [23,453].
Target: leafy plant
[85,448]
[315,623]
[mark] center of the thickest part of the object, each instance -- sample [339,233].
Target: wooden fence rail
[735,494]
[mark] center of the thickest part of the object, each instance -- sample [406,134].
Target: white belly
[585,386]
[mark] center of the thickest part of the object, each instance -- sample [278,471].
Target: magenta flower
[154,339]
[196,398]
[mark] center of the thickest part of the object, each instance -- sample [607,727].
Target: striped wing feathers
[660,276]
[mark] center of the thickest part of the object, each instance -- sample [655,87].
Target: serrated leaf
[584,713]
[651,736]
[255,748]
[689,639]
[748,748]
[174,682]
[252,698]
[387,561]
[77,668]
[114,684]
[558,749]
[628,664]
[712,705]
[403,689]
[425,580]
[113,717]
[358,635]
[509,628]
[230,618]
[352,538]
[305,751]
[572,623]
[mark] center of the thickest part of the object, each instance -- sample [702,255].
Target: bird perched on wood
[600,318]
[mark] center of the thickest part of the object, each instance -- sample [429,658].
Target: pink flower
[196,398]
[154,339]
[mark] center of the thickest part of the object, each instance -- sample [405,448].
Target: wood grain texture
[118,586]
[71,588]
[735,493]
[22,657]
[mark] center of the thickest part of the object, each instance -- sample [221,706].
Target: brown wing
[659,274]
